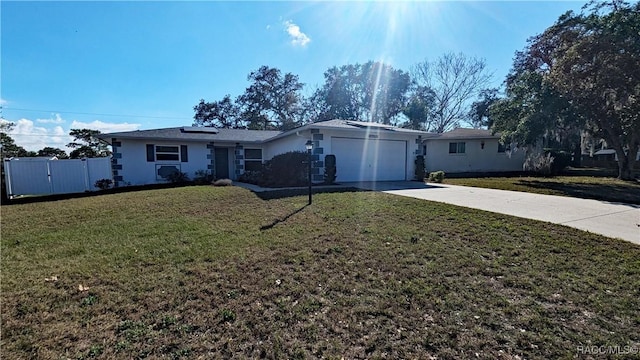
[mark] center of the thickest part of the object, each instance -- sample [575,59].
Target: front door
[222,163]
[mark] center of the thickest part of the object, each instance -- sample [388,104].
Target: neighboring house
[596,153]
[470,150]
[364,151]
[607,158]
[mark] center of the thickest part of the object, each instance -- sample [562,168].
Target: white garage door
[369,160]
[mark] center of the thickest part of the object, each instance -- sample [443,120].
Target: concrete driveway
[616,220]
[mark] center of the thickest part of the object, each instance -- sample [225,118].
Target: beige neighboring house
[470,151]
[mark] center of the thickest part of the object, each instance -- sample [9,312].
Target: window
[502,147]
[252,159]
[167,153]
[457,148]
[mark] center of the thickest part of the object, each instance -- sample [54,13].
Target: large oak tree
[272,101]
[588,68]
[221,114]
[372,91]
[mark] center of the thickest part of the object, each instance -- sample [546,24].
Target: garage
[360,159]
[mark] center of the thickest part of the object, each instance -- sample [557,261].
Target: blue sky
[73,64]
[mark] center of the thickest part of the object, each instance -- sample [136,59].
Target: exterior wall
[475,158]
[322,139]
[413,145]
[134,169]
[294,142]
[285,144]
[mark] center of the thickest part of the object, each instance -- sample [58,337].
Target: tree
[51,152]
[373,91]
[8,147]
[479,115]
[222,114]
[87,144]
[419,109]
[272,101]
[84,151]
[534,113]
[591,62]
[341,96]
[454,79]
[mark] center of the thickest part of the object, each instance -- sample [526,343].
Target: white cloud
[56,120]
[104,126]
[26,134]
[3,101]
[34,137]
[298,38]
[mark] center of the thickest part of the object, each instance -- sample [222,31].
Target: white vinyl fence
[42,176]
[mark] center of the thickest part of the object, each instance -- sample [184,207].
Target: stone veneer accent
[317,165]
[116,158]
[419,145]
[212,159]
[238,156]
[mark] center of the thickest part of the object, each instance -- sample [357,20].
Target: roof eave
[143,137]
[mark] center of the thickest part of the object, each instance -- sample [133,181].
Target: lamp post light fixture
[309,146]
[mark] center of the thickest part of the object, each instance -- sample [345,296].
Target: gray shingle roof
[187,133]
[462,133]
[179,133]
[351,125]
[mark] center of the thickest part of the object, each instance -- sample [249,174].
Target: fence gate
[42,176]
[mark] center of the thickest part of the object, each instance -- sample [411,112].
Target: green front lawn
[209,272]
[588,187]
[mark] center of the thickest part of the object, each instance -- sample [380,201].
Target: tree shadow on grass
[283,219]
[285,193]
[608,192]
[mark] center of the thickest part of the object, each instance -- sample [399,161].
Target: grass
[188,273]
[588,187]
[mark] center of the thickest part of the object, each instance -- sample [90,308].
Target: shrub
[539,163]
[223,182]
[436,176]
[561,159]
[178,177]
[252,177]
[202,177]
[420,168]
[103,184]
[288,169]
[329,169]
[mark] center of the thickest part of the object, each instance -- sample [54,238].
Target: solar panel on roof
[195,129]
[368,124]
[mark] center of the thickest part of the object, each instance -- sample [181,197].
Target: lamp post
[309,146]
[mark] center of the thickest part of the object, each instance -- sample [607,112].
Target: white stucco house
[364,151]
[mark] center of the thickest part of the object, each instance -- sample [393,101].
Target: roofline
[315,126]
[463,137]
[126,135]
[108,140]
